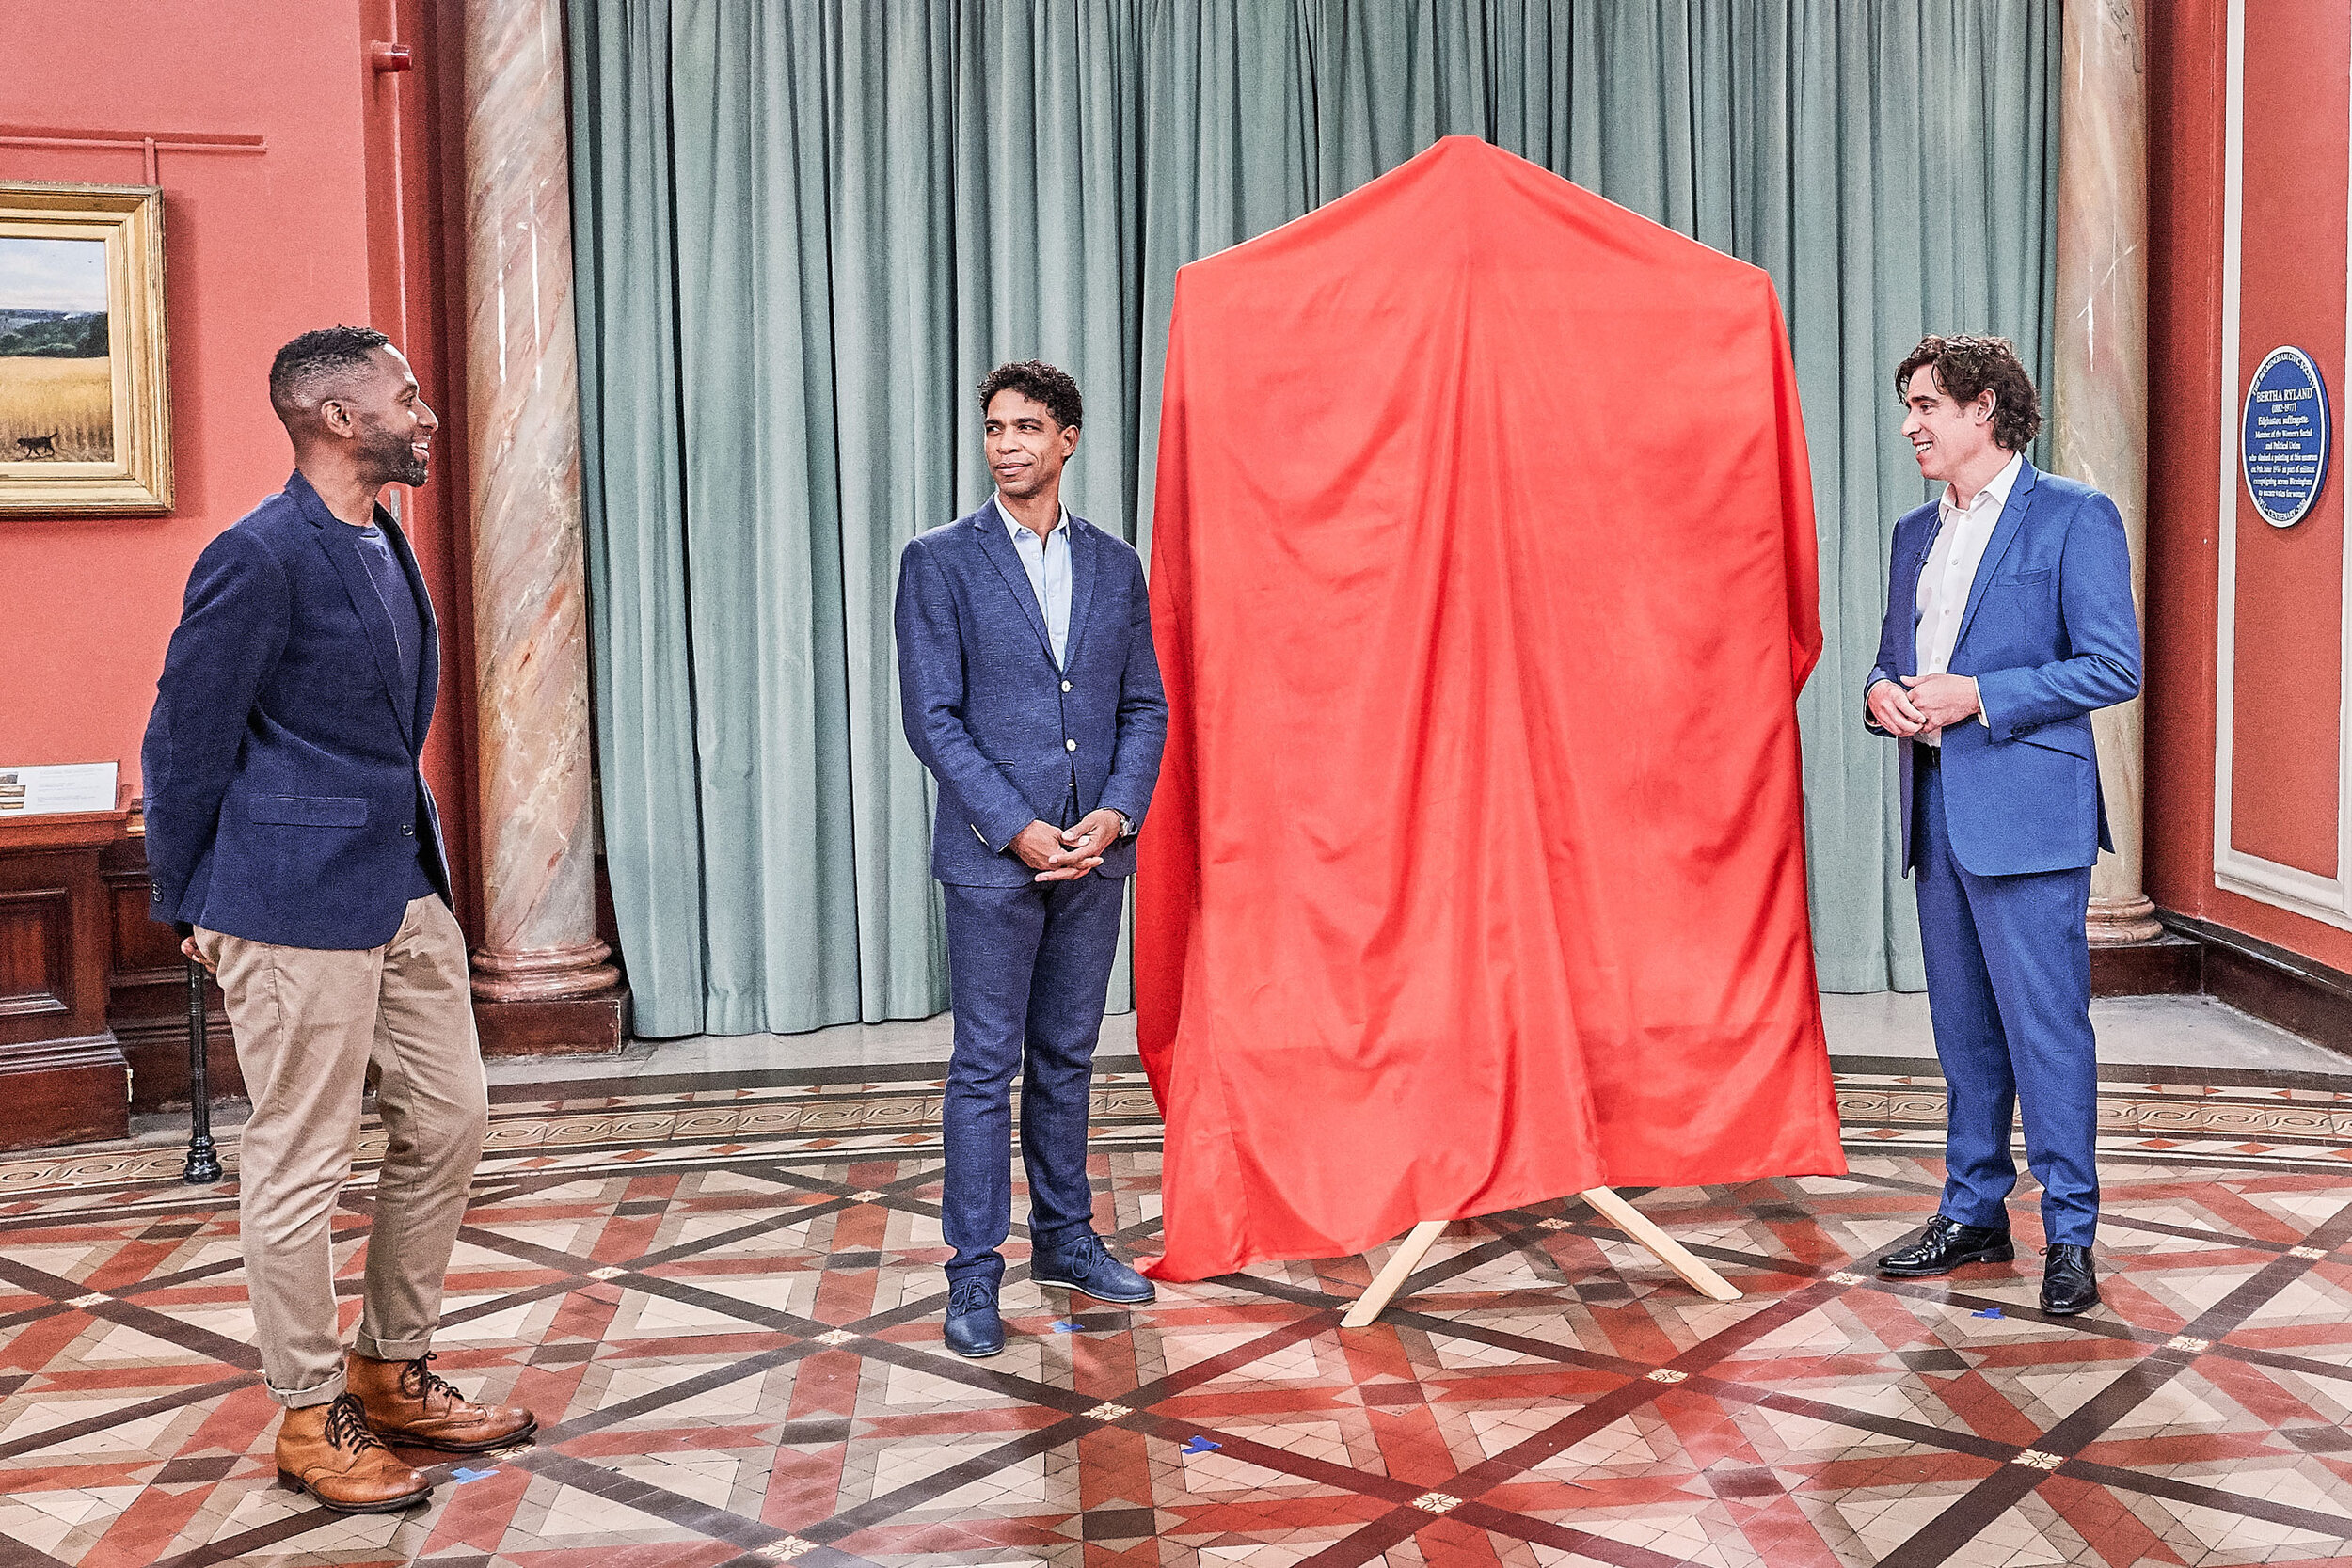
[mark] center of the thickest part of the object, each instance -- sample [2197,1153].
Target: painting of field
[60,409]
[57,386]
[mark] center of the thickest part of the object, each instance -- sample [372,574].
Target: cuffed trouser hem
[303,1398]
[384,1350]
[1059,1237]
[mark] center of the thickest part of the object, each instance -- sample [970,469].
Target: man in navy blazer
[2009,619]
[1031,692]
[291,841]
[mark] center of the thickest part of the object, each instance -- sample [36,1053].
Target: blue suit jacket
[1003,730]
[282,795]
[2049,633]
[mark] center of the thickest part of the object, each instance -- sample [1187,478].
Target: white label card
[62,787]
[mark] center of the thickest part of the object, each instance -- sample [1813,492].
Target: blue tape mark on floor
[1197,1444]
[465,1475]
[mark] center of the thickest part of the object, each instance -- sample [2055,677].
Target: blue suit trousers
[1029,968]
[2009,988]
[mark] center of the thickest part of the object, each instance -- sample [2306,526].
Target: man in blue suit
[1032,694]
[2009,619]
[293,843]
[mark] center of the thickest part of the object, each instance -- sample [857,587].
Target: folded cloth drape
[1483,585]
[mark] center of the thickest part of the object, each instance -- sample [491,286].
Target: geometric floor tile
[723,1302]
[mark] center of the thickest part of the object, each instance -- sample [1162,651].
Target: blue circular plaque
[2282,444]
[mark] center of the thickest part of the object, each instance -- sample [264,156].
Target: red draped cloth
[1482,580]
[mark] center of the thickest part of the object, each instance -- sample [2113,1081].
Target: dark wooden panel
[2297,993]
[53,909]
[2171,965]
[2295,1000]
[63,1092]
[62,1077]
[583,1027]
[36,972]
[143,950]
[147,996]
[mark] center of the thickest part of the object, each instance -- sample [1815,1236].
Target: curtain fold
[806,228]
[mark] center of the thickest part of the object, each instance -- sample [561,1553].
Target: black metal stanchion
[203,1160]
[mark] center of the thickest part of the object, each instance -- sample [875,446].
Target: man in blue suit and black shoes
[293,843]
[2009,619]
[1032,694]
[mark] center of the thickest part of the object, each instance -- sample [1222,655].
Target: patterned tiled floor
[722,1299]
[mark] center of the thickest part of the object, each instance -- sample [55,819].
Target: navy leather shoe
[1082,1262]
[1946,1246]
[973,1329]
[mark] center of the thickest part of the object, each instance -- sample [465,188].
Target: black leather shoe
[1082,1262]
[2068,1284]
[973,1329]
[1946,1246]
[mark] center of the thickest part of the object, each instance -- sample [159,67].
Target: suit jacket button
[1069,745]
[409,831]
[1065,686]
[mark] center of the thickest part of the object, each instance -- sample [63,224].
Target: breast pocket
[2023,579]
[309,810]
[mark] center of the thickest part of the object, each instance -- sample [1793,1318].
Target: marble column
[2099,399]
[522,443]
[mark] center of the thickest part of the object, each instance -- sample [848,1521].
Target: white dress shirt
[1951,571]
[1047,561]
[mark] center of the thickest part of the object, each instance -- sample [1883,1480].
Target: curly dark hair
[1035,378]
[1966,368]
[325,355]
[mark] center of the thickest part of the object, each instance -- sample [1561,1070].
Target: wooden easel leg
[1392,1275]
[1617,1211]
[1604,1202]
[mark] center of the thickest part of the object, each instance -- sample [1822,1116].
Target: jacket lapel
[429,659]
[2004,534]
[341,542]
[1084,549]
[999,550]
[1922,545]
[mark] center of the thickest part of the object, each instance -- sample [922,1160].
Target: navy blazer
[2050,633]
[1004,730]
[283,796]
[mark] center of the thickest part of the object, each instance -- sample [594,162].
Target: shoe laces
[347,1427]
[1081,1253]
[428,1382]
[970,1295]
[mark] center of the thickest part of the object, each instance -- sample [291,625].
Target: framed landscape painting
[84,405]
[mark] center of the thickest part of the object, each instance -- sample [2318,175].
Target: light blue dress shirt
[1047,561]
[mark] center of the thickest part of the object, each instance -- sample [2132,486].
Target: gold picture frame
[85,394]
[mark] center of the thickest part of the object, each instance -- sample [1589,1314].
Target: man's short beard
[393,459]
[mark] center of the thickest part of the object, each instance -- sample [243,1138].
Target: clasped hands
[1923,704]
[1065,854]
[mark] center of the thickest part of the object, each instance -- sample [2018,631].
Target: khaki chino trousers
[308,1023]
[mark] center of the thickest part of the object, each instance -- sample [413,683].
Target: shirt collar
[1014,528]
[1998,487]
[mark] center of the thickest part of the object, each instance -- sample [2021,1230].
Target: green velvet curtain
[806,228]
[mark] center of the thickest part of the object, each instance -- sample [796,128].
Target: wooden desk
[63,1078]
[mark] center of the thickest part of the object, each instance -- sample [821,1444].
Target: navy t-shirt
[400,603]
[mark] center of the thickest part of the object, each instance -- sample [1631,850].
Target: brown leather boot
[408,1403]
[327,1450]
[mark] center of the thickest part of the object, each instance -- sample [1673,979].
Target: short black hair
[1967,368]
[328,354]
[1038,380]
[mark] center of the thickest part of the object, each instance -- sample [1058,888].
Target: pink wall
[340,217]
